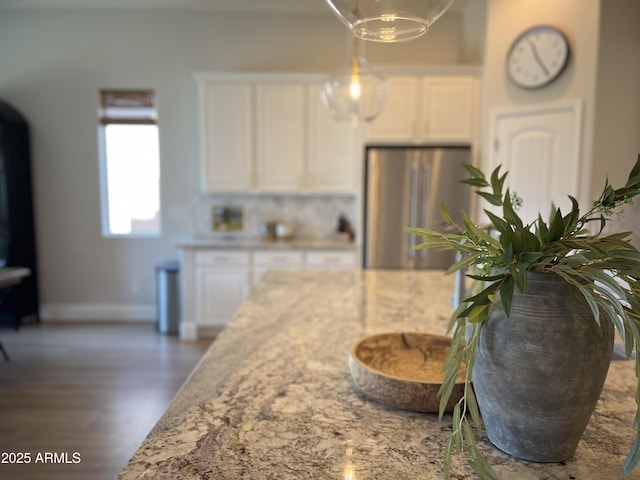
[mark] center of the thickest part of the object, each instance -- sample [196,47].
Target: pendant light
[389,20]
[355,94]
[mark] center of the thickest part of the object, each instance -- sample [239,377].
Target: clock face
[537,57]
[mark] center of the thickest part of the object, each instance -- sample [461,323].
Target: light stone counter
[263,244]
[272,398]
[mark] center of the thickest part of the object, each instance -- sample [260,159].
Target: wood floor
[85,389]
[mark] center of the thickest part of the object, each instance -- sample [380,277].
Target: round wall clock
[537,57]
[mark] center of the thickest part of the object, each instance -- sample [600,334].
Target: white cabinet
[221,285]
[227,137]
[331,149]
[265,134]
[399,117]
[280,137]
[448,108]
[265,260]
[330,260]
[271,133]
[215,282]
[427,109]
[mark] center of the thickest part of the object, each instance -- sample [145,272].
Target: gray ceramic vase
[538,374]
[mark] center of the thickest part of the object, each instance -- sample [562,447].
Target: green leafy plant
[605,268]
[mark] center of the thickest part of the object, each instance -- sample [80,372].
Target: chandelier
[389,20]
[356,93]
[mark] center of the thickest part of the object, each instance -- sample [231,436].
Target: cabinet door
[227,137]
[447,108]
[219,293]
[330,260]
[280,137]
[398,119]
[265,260]
[331,149]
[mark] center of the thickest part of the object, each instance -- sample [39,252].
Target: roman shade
[127,107]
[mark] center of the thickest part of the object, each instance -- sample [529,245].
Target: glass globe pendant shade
[389,20]
[356,94]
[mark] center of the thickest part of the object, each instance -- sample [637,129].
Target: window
[129,163]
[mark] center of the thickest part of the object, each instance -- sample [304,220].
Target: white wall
[616,137]
[617,125]
[603,72]
[578,19]
[474,27]
[55,61]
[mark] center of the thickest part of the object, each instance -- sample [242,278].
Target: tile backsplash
[312,217]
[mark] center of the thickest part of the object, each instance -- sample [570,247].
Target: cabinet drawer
[331,258]
[278,258]
[221,258]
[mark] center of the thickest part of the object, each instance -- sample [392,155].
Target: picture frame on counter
[228,218]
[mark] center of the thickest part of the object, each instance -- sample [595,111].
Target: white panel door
[227,137]
[539,146]
[280,137]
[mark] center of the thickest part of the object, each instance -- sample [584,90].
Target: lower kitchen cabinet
[330,260]
[214,285]
[265,260]
[219,293]
[216,282]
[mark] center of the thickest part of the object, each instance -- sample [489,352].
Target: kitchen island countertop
[272,398]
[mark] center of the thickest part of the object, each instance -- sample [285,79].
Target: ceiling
[241,5]
[237,5]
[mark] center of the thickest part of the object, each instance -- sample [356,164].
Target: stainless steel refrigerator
[404,187]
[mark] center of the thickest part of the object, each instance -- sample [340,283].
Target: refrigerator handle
[413,206]
[426,191]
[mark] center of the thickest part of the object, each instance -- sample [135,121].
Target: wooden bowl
[403,370]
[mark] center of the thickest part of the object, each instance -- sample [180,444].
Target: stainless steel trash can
[168,297]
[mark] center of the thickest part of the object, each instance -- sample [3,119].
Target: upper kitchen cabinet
[280,137]
[399,118]
[264,133]
[427,109]
[227,136]
[448,108]
[331,149]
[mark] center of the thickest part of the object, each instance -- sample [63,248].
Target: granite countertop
[273,399]
[241,243]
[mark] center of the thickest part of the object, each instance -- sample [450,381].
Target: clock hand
[534,50]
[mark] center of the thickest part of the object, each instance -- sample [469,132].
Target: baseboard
[98,312]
